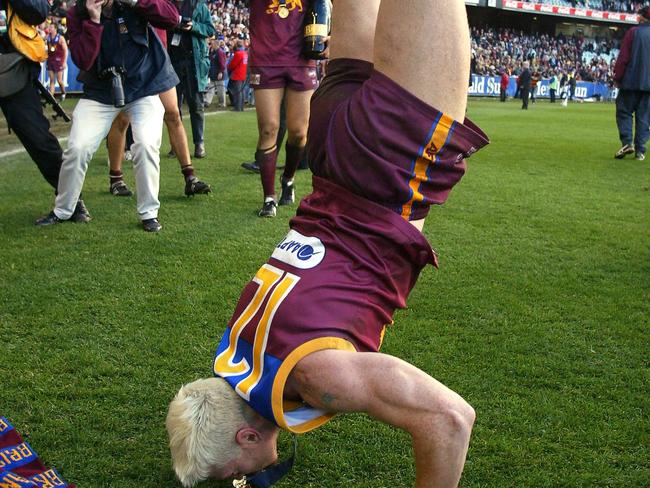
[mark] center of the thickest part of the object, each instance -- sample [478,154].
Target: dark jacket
[95,47]
[217,63]
[632,69]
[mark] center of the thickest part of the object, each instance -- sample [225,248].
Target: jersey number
[274,286]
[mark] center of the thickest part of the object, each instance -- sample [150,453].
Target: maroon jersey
[333,282]
[55,53]
[371,136]
[277,41]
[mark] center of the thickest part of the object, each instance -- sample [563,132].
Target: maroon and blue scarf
[20,466]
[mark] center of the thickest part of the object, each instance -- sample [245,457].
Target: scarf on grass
[20,466]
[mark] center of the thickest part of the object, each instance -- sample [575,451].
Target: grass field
[538,316]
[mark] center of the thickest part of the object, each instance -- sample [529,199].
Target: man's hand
[94,8]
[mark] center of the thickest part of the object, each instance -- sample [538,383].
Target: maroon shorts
[377,140]
[297,78]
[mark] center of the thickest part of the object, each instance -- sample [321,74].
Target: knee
[297,138]
[172,117]
[269,131]
[455,421]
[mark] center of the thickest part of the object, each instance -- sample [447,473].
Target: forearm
[397,393]
[85,40]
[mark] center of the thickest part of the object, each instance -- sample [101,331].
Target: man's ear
[247,437]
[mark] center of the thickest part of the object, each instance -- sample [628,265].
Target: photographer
[123,68]
[24,112]
[188,49]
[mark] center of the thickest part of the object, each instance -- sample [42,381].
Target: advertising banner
[490,86]
[570,11]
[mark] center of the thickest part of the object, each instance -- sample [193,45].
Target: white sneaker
[640,157]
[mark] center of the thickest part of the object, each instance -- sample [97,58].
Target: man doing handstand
[303,342]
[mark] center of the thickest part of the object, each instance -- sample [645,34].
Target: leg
[24,114]
[146,116]
[178,141]
[438,74]
[91,122]
[52,77]
[268,121]
[197,114]
[297,120]
[624,113]
[59,79]
[642,130]
[116,142]
[175,127]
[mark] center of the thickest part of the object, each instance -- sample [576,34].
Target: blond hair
[202,423]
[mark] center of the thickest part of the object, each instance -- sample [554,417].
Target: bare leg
[52,76]
[175,127]
[59,79]
[268,103]
[268,116]
[423,45]
[116,140]
[297,105]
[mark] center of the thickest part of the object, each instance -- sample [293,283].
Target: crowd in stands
[496,50]
[603,5]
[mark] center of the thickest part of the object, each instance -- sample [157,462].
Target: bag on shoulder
[15,73]
[25,38]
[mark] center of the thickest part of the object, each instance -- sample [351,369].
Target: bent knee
[172,116]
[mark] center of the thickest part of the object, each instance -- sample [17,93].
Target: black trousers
[188,90]
[525,93]
[24,114]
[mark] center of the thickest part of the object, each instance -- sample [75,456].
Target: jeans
[91,122]
[237,90]
[633,104]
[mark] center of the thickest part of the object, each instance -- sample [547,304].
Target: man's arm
[34,12]
[159,13]
[85,37]
[624,55]
[397,393]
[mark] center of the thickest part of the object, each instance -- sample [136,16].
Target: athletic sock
[294,156]
[188,172]
[267,162]
[115,176]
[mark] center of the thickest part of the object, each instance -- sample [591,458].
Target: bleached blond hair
[202,422]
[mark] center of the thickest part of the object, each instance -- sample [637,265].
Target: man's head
[213,433]
[526,65]
[644,14]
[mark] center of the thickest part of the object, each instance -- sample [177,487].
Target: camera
[114,73]
[185,21]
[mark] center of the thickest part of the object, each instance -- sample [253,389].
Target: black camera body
[114,74]
[185,21]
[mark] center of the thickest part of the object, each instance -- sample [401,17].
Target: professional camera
[185,21]
[114,73]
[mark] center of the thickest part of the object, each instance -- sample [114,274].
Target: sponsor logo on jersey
[300,251]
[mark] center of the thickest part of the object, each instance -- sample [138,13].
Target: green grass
[539,314]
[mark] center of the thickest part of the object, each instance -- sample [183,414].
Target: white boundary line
[20,150]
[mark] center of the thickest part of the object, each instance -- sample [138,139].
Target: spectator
[217,69]
[504,83]
[237,69]
[525,81]
[188,50]
[632,73]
